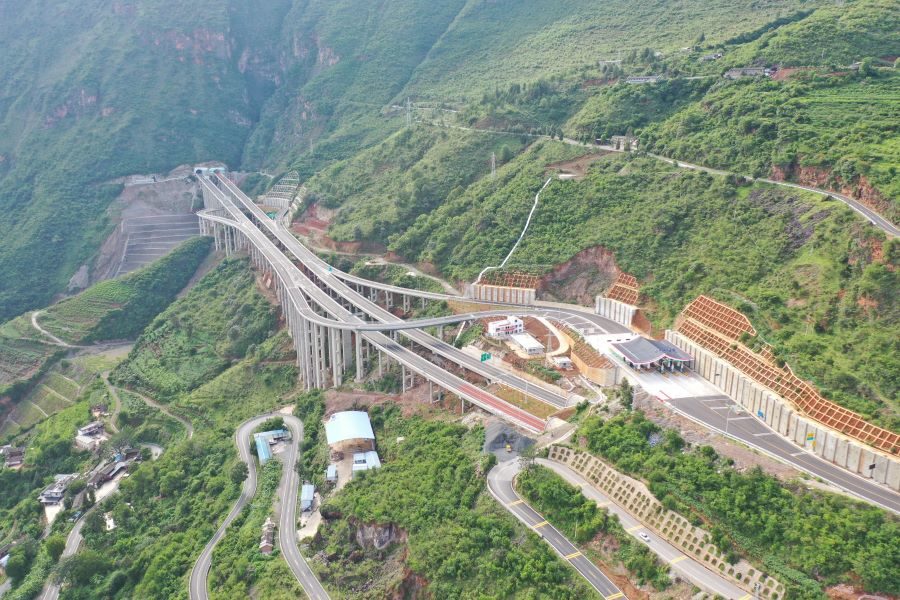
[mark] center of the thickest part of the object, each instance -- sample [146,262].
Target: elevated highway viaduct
[350,290]
[328,334]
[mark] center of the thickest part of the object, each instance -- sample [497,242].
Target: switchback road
[288,490]
[500,485]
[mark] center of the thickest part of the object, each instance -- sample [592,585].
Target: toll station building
[643,354]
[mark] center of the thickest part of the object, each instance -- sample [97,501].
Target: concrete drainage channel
[150,238]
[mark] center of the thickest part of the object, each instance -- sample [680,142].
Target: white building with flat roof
[527,343]
[506,327]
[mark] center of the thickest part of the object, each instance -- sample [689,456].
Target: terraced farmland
[57,390]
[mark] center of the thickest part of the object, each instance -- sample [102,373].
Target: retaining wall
[501,293]
[616,311]
[830,445]
[693,541]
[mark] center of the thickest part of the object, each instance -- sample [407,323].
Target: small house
[307,496]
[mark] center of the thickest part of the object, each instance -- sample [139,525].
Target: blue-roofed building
[265,441]
[307,495]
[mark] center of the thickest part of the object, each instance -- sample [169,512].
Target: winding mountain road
[288,491]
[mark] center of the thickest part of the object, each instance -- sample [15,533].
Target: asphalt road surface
[73,542]
[680,563]
[712,411]
[500,485]
[287,525]
[197,587]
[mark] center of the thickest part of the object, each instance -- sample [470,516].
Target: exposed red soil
[577,166]
[785,73]
[587,274]
[860,189]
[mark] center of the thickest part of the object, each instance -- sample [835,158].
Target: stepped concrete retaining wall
[633,496]
[830,445]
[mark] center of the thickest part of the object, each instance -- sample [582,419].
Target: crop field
[20,359]
[53,393]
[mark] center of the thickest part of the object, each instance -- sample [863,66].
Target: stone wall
[761,402]
[693,541]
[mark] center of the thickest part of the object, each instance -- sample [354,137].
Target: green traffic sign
[485,356]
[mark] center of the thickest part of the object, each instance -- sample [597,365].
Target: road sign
[810,437]
[760,414]
[485,356]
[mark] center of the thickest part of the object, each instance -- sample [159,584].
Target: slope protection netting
[714,329]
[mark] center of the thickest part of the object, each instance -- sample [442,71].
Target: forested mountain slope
[91,91]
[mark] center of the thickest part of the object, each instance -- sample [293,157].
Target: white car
[644,537]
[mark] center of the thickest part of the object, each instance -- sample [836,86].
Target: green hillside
[95,91]
[98,91]
[121,308]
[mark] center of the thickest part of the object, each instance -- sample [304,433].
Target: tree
[239,472]
[626,394]
[18,564]
[81,567]
[55,545]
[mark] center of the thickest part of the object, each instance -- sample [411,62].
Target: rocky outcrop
[378,537]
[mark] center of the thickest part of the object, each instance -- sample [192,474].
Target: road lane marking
[573,555]
[678,559]
[538,525]
[635,528]
[747,597]
[516,502]
[616,595]
[795,454]
[603,504]
[764,433]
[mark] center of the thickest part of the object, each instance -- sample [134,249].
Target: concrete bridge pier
[407,303]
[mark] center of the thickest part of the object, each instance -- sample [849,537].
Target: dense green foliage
[386,187]
[208,326]
[121,308]
[809,539]
[831,35]
[93,92]
[456,537]
[239,569]
[844,125]
[803,268]
[580,519]
[168,508]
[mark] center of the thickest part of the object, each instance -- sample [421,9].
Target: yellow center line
[677,559]
[541,524]
[616,595]
[515,502]
[747,597]
[573,555]
[635,528]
